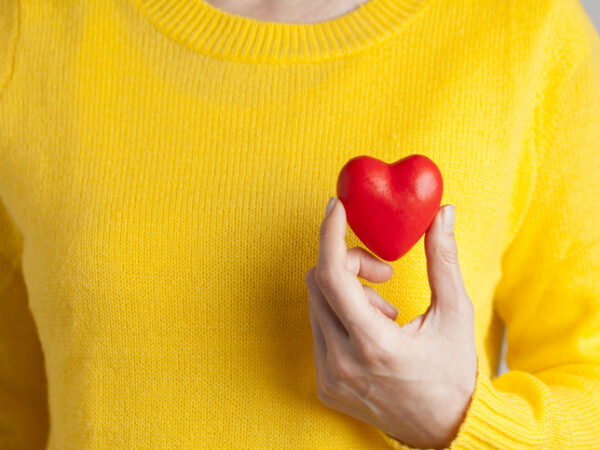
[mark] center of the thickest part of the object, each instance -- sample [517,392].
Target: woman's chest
[176,193]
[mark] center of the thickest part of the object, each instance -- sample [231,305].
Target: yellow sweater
[164,167]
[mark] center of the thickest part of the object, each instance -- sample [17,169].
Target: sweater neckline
[203,28]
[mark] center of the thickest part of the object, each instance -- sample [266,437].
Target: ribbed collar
[203,28]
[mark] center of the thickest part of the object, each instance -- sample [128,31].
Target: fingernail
[329,206]
[448,218]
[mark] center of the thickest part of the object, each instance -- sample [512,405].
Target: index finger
[340,287]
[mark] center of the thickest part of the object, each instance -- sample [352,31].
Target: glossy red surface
[390,206]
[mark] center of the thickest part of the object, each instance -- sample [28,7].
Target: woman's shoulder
[556,35]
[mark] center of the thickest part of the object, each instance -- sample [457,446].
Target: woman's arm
[23,404]
[23,400]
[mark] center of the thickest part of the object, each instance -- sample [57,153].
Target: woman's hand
[414,382]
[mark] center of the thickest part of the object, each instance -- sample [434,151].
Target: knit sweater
[164,167]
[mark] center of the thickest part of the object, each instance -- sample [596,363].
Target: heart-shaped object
[390,206]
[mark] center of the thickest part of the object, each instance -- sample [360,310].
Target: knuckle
[464,306]
[353,261]
[342,370]
[447,254]
[373,354]
[328,385]
[325,277]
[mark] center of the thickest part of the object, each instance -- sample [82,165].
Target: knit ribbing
[211,31]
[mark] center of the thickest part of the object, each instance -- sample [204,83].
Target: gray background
[592,7]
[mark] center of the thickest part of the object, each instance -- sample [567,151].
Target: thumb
[448,293]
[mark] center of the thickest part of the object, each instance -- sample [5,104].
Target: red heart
[390,206]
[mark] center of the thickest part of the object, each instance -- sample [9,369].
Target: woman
[164,168]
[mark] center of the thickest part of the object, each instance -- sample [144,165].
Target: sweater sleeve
[23,406]
[549,292]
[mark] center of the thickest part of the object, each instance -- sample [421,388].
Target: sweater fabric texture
[164,169]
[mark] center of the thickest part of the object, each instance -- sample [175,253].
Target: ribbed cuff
[490,422]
